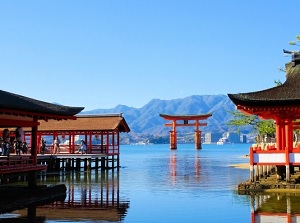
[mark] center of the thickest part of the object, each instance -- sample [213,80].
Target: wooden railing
[94,149]
[18,164]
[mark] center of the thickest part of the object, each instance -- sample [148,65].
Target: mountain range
[147,121]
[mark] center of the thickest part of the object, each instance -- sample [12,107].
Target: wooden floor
[68,156]
[57,162]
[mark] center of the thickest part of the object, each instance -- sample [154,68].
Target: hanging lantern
[96,136]
[63,136]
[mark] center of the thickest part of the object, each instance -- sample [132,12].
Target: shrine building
[281,104]
[18,112]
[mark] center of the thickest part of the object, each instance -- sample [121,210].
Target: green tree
[295,42]
[261,127]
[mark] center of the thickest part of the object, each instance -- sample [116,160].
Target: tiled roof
[10,101]
[284,95]
[87,123]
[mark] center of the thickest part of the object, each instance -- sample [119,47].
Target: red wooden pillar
[278,135]
[290,137]
[73,141]
[113,141]
[32,176]
[172,146]
[102,149]
[198,144]
[90,142]
[173,136]
[34,144]
[107,142]
[118,141]
[283,135]
[39,137]
[289,146]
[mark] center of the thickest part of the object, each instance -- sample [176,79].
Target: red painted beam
[15,123]
[194,124]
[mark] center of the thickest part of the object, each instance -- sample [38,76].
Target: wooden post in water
[102,163]
[78,164]
[118,162]
[198,143]
[173,140]
[85,164]
[68,164]
[96,163]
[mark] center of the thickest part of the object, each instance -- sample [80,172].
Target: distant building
[243,138]
[212,137]
[233,137]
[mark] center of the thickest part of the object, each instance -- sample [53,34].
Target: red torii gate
[185,122]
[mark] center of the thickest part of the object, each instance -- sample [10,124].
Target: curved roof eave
[14,102]
[287,94]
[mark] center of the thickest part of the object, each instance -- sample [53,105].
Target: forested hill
[147,120]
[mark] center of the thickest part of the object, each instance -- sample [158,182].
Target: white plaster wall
[271,158]
[275,219]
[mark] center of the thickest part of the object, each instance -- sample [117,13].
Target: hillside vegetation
[145,121]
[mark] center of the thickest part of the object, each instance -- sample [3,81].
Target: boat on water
[222,141]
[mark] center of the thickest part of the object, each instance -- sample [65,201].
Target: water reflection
[275,208]
[30,217]
[184,164]
[91,196]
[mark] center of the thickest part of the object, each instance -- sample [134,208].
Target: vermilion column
[288,147]
[34,144]
[32,176]
[278,135]
[173,136]
[290,137]
[283,135]
[197,136]
[198,139]
[173,140]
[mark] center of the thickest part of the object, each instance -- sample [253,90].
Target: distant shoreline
[241,165]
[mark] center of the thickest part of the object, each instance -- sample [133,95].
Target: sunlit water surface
[156,184]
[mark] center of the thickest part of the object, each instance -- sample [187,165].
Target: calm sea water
[185,185]
[155,184]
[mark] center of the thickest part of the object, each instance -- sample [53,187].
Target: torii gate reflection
[173,167]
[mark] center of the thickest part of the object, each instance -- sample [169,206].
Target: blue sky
[102,53]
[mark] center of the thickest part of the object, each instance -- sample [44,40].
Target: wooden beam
[44,116]
[15,123]
[194,124]
[185,117]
